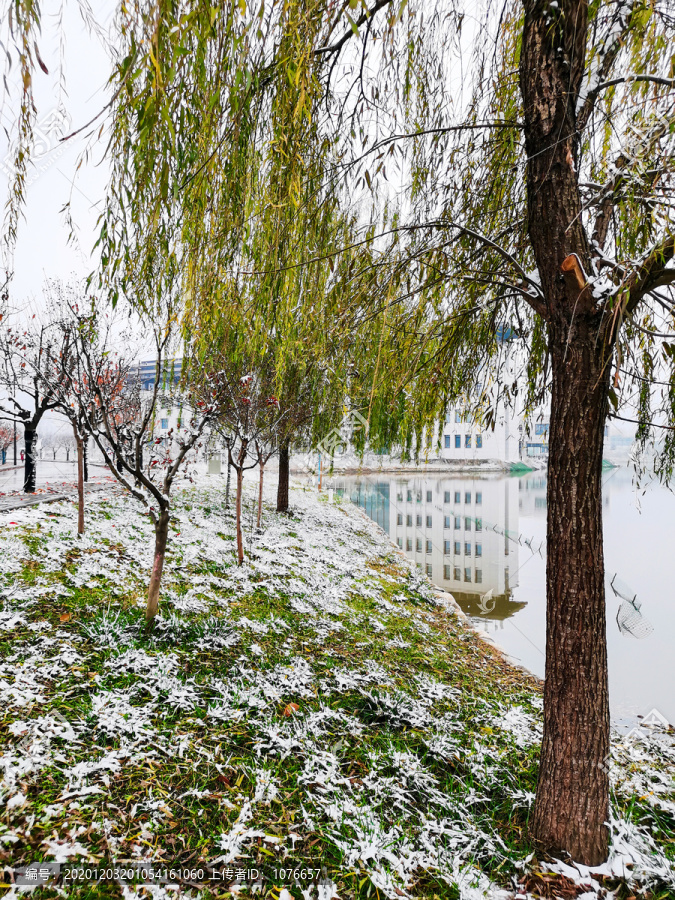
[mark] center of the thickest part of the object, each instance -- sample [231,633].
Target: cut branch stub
[578,288]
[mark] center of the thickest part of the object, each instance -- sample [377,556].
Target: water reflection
[463,533]
[483,540]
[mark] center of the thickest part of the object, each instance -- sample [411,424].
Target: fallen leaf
[291,708]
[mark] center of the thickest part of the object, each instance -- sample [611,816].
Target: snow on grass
[316,706]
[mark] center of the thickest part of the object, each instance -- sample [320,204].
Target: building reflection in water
[462,532]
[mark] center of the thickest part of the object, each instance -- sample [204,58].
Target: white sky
[42,249]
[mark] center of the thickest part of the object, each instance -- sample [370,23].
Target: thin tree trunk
[572,803]
[260,492]
[227,483]
[240,537]
[284,466]
[161,538]
[29,478]
[85,458]
[80,483]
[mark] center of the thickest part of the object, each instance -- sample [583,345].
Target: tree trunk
[85,458]
[284,466]
[80,483]
[161,538]
[260,492]
[29,478]
[227,483]
[240,537]
[572,803]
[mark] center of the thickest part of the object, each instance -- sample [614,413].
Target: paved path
[55,481]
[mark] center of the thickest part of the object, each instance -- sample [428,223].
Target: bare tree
[34,370]
[251,420]
[107,393]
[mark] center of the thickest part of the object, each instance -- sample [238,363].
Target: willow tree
[544,202]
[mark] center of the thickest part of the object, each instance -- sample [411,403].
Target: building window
[429,570]
[419,496]
[408,521]
[408,544]
[447,573]
[467,549]
[467,497]
[399,497]
[399,541]
[447,442]
[429,547]
[409,497]
[428,521]
[418,520]
[446,522]
[458,497]
[458,523]
[541,428]
[479,576]
[458,548]
[479,498]
[479,441]
[399,519]
[458,441]
[479,549]
[479,524]
[418,545]
[165,424]
[458,416]
[457,574]
[467,524]
[446,548]
[467,441]
[446,497]
[430,496]
[467,574]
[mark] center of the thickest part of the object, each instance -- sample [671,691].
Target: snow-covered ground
[319,706]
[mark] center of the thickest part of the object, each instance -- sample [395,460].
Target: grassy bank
[315,709]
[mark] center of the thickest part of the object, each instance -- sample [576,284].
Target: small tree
[108,397]
[251,419]
[34,369]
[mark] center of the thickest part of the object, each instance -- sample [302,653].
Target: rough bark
[29,477]
[161,538]
[572,802]
[572,799]
[284,466]
[260,493]
[80,483]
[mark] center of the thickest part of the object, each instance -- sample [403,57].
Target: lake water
[483,540]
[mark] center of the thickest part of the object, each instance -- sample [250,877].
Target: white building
[463,440]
